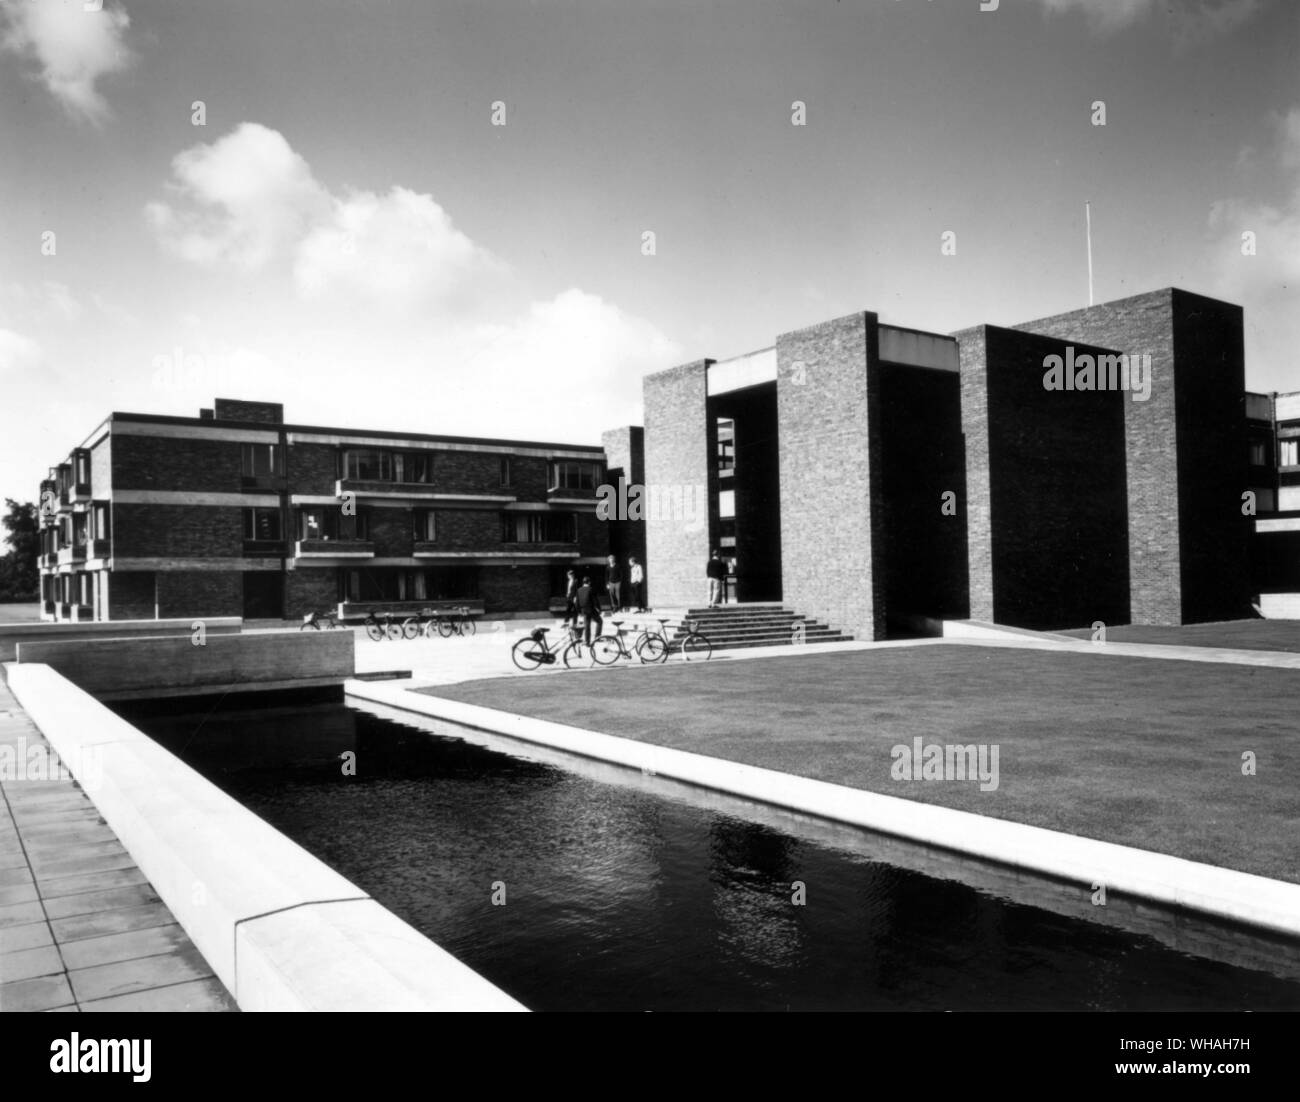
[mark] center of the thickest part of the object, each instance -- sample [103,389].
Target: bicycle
[607,649]
[457,622]
[694,645]
[319,620]
[424,622]
[382,626]
[534,650]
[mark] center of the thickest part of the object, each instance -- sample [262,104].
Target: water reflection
[624,893]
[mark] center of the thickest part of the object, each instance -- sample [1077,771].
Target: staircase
[732,626]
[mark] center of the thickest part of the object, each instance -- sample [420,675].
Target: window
[727,504]
[374,465]
[82,461]
[1258,453]
[262,460]
[262,524]
[726,447]
[99,529]
[574,475]
[79,530]
[1288,453]
[440,583]
[328,522]
[425,526]
[539,528]
[505,472]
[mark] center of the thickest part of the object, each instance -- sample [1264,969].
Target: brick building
[874,476]
[236,513]
[1273,425]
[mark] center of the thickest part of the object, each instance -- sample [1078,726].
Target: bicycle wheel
[411,627]
[374,630]
[605,650]
[575,656]
[526,654]
[696,648]
[652,648]
[394,630]
[467,627]
[445,628]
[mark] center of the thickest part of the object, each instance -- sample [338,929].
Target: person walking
[636,579]
[715,571]
[614,584]
[585,600]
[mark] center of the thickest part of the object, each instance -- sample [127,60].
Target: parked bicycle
[319,620]
[424,622]
[694,645]
[608,648]
[383,626]
[456,622]
[534,650]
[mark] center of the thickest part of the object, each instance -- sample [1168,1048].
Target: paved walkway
[80,926]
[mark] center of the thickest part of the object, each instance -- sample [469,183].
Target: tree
[19,577]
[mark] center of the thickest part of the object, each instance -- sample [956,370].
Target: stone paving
[80,926]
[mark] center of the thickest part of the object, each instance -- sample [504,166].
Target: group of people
[583,599]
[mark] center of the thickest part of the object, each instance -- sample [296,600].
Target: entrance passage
[263,595]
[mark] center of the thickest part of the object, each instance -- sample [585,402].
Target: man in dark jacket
[585,599]
[614,584]
[715,571]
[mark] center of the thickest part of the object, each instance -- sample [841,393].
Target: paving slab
[43,993]
[17,893]
[142,973]
[34,935]
[26,964]
[111,948]
[103,923]
[195,996]
[89,882]
[110,899]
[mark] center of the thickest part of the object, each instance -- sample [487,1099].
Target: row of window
[76,529]
[411,467]
[325,522]
[1288,453]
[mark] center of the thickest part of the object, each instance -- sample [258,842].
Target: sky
[492,218]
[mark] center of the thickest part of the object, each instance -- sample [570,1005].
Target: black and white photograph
[651,506]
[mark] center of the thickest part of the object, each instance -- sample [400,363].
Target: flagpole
[1087,210]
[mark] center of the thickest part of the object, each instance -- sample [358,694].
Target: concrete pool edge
[277,926]
[1240,897]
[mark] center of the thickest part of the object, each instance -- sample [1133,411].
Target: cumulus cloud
[399,249]
[74,48]
[241,200]
[1190,21]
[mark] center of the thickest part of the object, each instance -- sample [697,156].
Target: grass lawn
[1233,634]
[20,613]
[1143,752]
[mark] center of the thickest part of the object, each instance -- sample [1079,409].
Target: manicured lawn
[1233,634]
[1143,752]
[19,613]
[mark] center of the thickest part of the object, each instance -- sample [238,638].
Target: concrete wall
[680,454]
[625,458]
[280,928]
[828,425]
[117,669]
[13,634]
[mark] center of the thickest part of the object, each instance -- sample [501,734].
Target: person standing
[570,605]
[715,571]
[636,578]
[585,599]
[614,584]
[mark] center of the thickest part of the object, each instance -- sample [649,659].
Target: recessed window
[506,481]
[378,465]
[1288,453]
[1258,453]
[574,475]
[426,530]
[539,528]
[262,460]
[328,522]
[262,524]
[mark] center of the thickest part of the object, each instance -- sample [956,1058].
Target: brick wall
[262,413]
[312,468]
[310,590]
[1048,537]
[514,588]
[828,421]
[625,458]
[390,531]
[131,595]
[680,449]
[469,529]
[200,593]
[1140,325]
[176,464]
[177,530]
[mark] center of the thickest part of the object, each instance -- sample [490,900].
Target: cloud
[18,354]
[1266,281]
[399,249]
[1190,21]
[242,200]
[73,47]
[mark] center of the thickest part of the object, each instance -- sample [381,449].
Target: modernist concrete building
[1080,468]
[236,513]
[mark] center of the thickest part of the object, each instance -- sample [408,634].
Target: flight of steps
[733,626]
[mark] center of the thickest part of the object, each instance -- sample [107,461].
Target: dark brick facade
[183,593]
[508,588]
[829,439]
[177,531]
[182,465]
[309,590]
[131,595]
[625,459]
[1048,543]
